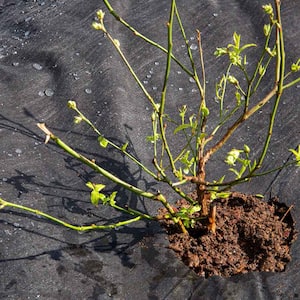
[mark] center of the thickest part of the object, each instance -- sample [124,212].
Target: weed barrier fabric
[49,54]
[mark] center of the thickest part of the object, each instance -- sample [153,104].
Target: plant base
[251,235]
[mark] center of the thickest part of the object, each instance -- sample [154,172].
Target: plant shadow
[69,199]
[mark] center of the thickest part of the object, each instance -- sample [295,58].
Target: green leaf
[216,195]
[201,137]
[193,122]
[272,53]
[297,155]
[213,195]
[220,51]
[103,142]
[221,179]
[179,174]
[112,197]
[267,28]
[238,98]
[243,169]
[253,165]
[90,185]
[95,197]
[124,147]
[105,200]
[233,80]
[223,195]
[232,156]
[235,58]
[77,119]
[194,208]
[236,40]
[181,127]
[261,70]
[99,187]
[247,46]
[152,138]
[182,112]
[259,196]
[235,172]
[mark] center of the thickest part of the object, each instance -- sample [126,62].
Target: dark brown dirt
[251,235]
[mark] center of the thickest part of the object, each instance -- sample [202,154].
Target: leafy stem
[103,141]
[37,212]
[157,197]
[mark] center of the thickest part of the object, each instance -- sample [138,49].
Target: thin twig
[286,213]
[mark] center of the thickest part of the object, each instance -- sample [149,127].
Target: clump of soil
[251,235]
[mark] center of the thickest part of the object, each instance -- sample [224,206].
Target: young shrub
[188,165]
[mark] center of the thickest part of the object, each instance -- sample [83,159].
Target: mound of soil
[251,235]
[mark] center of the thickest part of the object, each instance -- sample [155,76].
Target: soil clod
[250,235]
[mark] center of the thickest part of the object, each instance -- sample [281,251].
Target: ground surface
[49,54]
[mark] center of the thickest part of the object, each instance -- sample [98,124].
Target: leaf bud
[268,9]
[205,111]
[233,80]
[72,104]
[77,119]
[246,149]
[295,67]
[117,43]
[97,26]
[100,14]
[232,156]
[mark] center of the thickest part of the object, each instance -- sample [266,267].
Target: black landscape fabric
[49,54]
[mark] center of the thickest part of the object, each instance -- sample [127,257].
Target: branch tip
[48,133]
